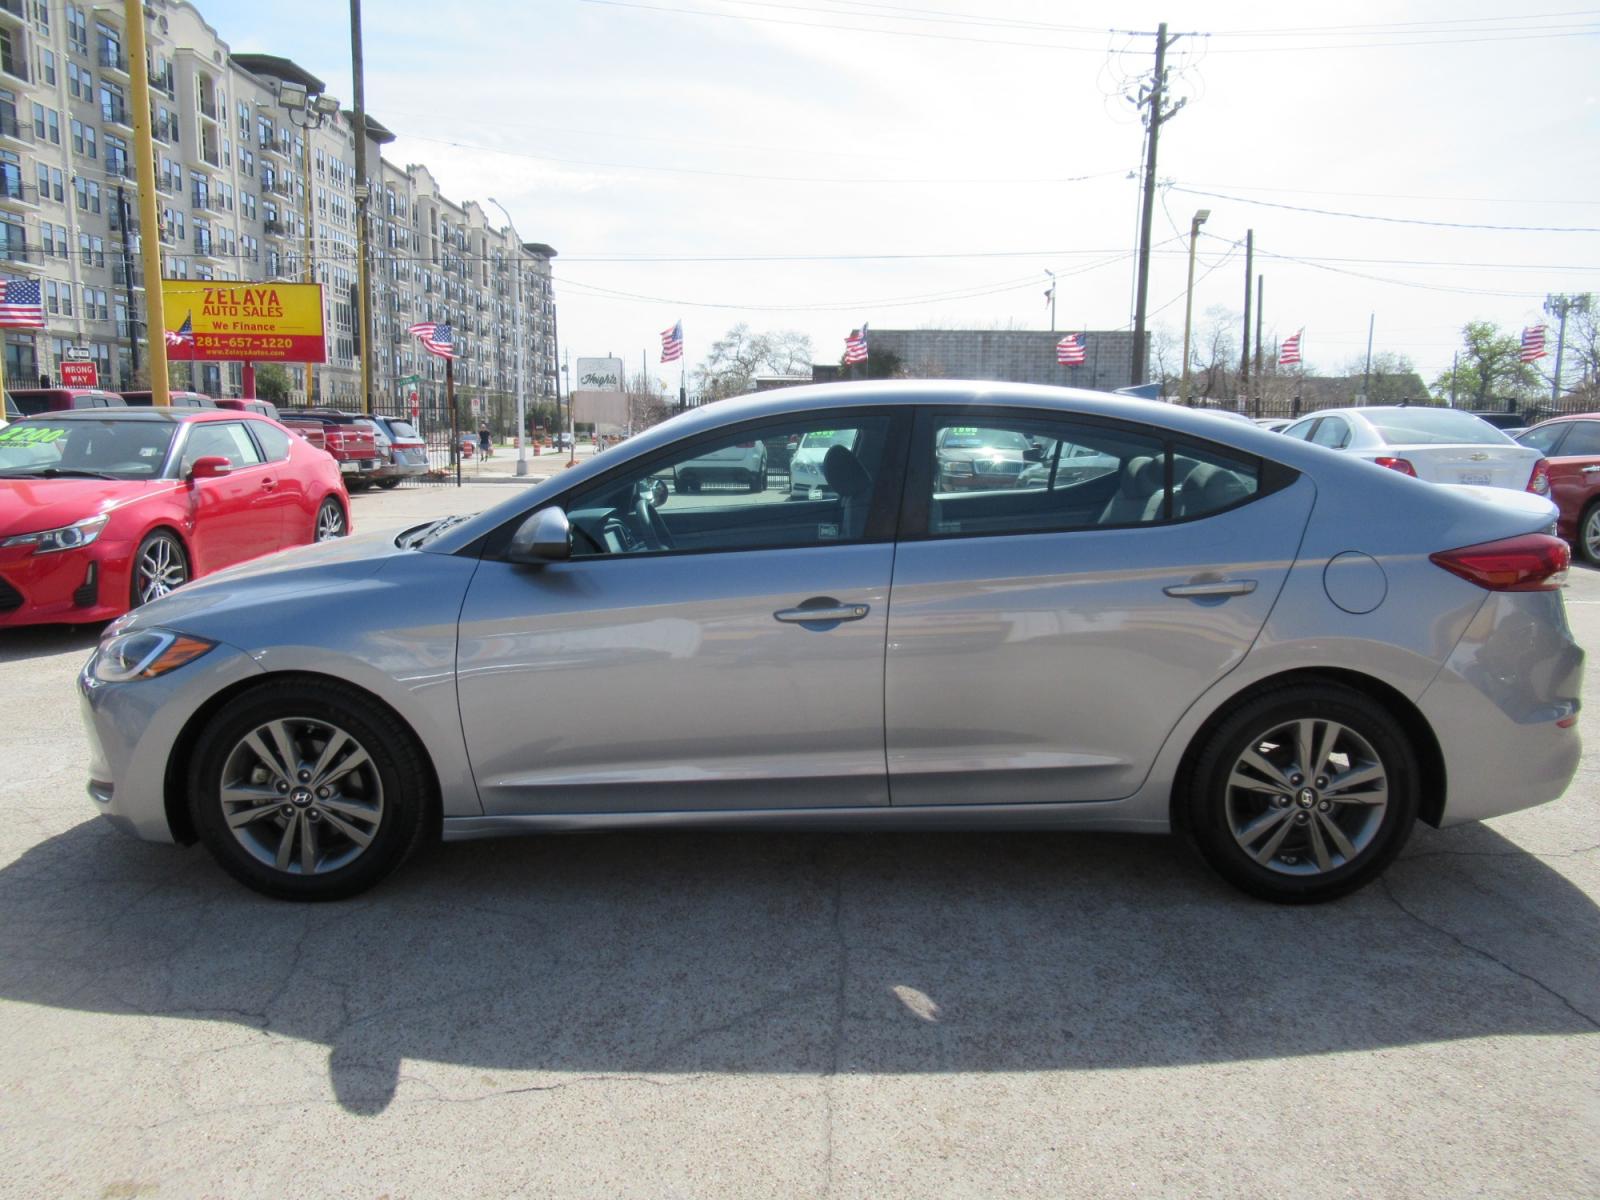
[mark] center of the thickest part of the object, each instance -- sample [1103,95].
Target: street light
[1200,218]
[307,110]
[522,415]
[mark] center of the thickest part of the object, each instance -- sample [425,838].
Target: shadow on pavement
[807,953]
[46,641]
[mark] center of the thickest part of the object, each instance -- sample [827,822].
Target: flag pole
[455,417]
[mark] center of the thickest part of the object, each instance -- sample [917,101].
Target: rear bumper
[1504,708]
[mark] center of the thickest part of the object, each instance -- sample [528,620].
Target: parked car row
[105,508]
[371,450]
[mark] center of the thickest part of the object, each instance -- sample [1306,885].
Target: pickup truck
[353,446]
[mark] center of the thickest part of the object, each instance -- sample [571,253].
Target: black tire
[386,484]
[160,546]
[389,787]
[331,521]
[1313,814]
[757,482]
[1589,547]
[357,485]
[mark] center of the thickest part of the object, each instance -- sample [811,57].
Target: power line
[1328,212]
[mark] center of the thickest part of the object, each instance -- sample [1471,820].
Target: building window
[47,66]
[77,29]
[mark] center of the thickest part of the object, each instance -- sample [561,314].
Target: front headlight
[69,537]
[145,654]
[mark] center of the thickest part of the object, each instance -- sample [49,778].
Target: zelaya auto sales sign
[264,322]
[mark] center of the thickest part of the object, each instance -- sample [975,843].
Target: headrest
[1141,477]
[844,472]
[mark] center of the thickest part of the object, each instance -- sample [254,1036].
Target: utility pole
[1366,377]
[1052,295]
[522,412]
[1261,287]
[1150,98]
[1200,219]
[124,217]
[358,109]
[1559,307]
[1244,342]
[155,319]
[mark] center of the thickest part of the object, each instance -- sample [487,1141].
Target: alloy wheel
[1307,796]
[1591,535]
[301,796]
[161,569]
[330,521]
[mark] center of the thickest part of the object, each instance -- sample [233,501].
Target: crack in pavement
[1388,890]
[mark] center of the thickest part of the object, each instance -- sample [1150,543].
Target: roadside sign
[407,380]
[80,353]
[79,375]
[268,322]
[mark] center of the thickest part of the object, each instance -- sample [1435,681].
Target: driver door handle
[1219,587]
[835,612]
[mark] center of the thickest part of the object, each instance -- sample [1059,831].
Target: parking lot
[786,1015]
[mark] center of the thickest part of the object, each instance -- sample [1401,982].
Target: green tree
[272,383]
[1393,377]
[1490,369]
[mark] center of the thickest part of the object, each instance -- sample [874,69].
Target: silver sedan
[1289,654]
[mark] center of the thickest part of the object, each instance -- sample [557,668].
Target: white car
[1437,445]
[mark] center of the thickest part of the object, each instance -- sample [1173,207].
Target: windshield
[1434,427]
[967,438]
[113,449]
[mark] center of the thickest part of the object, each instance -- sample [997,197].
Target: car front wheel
[159,566]
[1305,794]
[305,790]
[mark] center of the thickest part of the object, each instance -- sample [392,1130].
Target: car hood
[277,580]
[31,505]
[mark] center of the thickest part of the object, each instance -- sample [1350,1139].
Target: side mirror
[209,467]
[544,537]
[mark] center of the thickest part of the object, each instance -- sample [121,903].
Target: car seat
[849,480]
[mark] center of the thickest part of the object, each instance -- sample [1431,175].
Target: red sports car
[104,509]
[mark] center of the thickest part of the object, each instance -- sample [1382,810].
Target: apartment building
[248,189]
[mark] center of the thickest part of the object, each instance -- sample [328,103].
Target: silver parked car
[1228,635]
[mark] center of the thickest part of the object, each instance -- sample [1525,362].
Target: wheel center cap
[301,797]
[1307,797]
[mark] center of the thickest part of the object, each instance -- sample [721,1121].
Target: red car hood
[30,505]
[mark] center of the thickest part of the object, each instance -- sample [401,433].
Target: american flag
[672,343]
[855,346]
[1289,353]
[1532,340]
[22,307]
[183,335]
[1070,351]
[435,338]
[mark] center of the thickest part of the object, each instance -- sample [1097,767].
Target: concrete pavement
[785,1015]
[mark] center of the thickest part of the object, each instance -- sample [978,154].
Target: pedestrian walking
[484,446]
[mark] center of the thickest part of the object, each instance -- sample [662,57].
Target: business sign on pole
[79,375]
[598,375]
[262,322]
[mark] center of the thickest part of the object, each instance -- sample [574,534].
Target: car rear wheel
[1589,534]
[305,790]
[159,567]
[757,481]
[1305,794]
[330,521]
[386,484]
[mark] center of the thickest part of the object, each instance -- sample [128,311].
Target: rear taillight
[1396,464]
[1533,562]
[1539,481]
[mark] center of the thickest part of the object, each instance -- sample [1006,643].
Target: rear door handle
[1586,470]
[1219,587]
[828,611]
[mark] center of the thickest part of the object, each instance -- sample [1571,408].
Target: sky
[814,164]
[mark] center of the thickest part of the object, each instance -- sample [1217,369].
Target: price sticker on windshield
[23,435]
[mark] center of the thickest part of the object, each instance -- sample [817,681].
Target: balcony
[12,130]
[12,9]
[16,194]
[111,58]
[15,67]
[116,113]
[275,229]
[204,247]
[15,254]
[208,107]
[163,83]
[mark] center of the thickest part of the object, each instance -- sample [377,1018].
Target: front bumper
[68,587]
[133,726]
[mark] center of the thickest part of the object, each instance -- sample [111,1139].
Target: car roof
[171,415]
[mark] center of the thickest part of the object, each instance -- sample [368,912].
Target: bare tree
[738,356]
[1213,356]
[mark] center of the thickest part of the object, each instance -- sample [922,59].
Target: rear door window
[1583,441]
[1544,438]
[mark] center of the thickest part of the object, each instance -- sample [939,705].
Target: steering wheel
[652,527]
